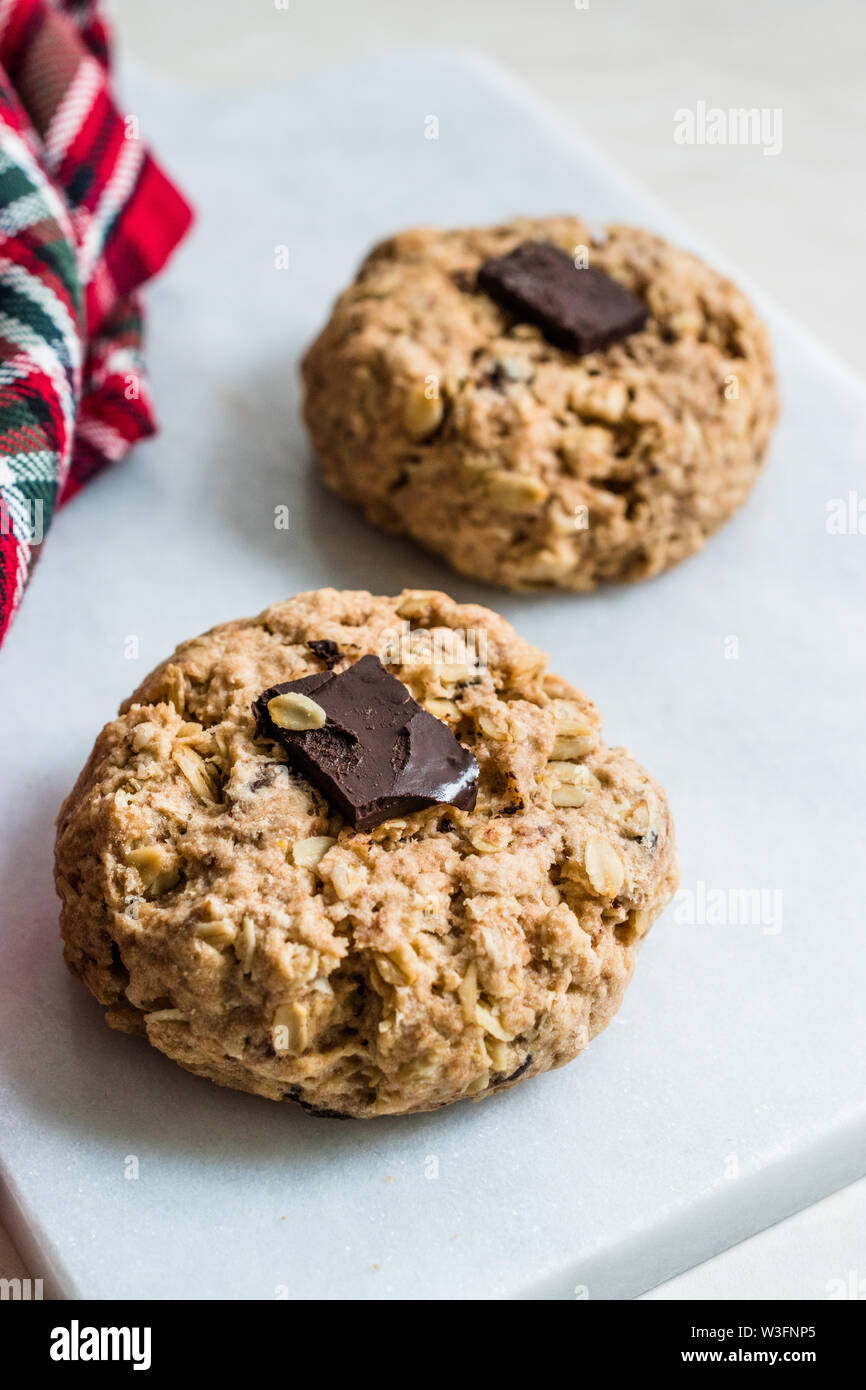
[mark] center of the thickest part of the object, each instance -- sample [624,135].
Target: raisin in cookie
[541,425]
[358,961]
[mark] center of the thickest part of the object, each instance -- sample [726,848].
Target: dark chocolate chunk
[320,1112]
[378,754]
[578,310]
[500,1080]
[265,776]
[524,1066]
[505,373]
[326,650]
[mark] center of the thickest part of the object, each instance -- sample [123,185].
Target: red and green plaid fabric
[86,216]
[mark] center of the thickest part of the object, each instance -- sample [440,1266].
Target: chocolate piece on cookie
[377,753]
[326,650]
[577,309]
[215,901]
[542,426]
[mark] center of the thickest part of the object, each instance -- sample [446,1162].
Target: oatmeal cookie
[457,396]
[216,900]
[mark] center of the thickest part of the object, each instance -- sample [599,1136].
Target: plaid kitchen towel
[86,216]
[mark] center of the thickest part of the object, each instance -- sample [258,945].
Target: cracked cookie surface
[213,900]
[520,463]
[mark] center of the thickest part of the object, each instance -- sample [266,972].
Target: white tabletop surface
[619,69]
